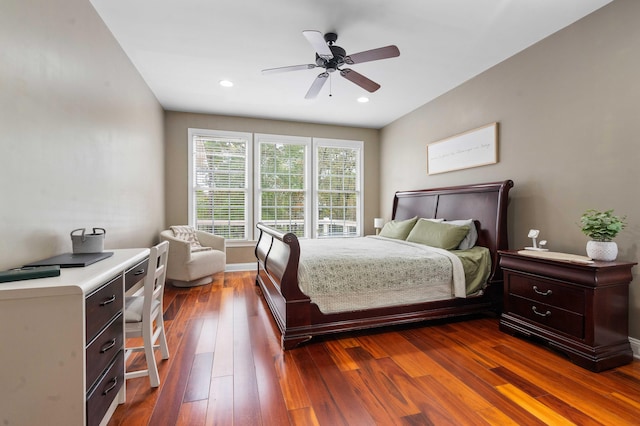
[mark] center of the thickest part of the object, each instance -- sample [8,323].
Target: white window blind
[282,186]
[311,187]
[338,188]
[220,175]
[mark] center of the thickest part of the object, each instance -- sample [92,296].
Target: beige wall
[81,135]
[568,109]
[176,128]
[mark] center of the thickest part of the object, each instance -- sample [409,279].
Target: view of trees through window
[221,186]
[308,186]
[282,185]
[337,191]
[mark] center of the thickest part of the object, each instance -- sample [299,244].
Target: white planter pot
[602,250]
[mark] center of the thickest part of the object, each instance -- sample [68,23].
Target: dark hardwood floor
[226,367]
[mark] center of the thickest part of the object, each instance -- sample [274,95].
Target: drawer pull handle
[542,293]
[542,314]
[108,345]
[114,382]
[139,272]
[109,300]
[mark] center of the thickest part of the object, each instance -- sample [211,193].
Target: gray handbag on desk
[88,243]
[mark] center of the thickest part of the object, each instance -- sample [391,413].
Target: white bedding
[353,274]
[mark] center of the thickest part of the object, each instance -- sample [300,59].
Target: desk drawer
[102,305]
[101,396]
[547,315]
[135,274]
[103,349]
[547,292]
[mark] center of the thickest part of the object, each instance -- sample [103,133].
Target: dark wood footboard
[278,255]
[299,319]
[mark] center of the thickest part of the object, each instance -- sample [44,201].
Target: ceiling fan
[332,58]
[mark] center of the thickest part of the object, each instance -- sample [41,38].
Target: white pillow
[472,236]
[187,233]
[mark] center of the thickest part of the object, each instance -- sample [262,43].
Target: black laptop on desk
[73,260]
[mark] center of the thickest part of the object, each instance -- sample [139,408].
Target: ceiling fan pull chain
[330,87]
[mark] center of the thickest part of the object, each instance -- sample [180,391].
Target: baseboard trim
[234,267]
[635,347]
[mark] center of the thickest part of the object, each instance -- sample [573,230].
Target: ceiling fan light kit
[332,57]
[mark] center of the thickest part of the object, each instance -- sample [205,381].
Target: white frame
[252,184]
[249,232]
[473,148]
[340,143]
[293,140]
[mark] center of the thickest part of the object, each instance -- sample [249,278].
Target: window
[283,187]
[220,175]
[311,187]
[338,188]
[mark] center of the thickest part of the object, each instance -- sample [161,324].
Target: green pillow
[398,229]
[441,235]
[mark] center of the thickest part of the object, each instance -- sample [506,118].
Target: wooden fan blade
[317,41]
[373,55]
[317,85]
[290,68]
[360,80]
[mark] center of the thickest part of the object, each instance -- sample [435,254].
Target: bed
[299,317]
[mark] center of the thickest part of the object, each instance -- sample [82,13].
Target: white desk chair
[142,311]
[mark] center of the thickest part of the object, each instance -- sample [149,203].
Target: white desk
[43,343]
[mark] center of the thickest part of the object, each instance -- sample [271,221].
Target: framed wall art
[474,148]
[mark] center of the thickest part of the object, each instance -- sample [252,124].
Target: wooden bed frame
[299,319]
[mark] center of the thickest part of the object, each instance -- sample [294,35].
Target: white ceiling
[183,48]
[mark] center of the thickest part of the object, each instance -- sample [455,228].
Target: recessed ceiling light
[226,83]
[363,99]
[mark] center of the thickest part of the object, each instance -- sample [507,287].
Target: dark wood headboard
[485,203]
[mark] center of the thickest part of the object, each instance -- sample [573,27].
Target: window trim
[253,190]
[192,132]
[339,143]
[308,188]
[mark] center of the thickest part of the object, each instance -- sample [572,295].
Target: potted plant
[602,228]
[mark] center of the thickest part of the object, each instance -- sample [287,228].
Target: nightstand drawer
[550,316]
[548,292]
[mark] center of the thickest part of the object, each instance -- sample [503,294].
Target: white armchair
[188,267]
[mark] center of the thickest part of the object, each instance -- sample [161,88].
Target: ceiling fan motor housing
[332,64]
[330,38]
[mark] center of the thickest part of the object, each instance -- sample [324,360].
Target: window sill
[245,243]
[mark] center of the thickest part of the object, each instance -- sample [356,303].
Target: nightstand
[579,309]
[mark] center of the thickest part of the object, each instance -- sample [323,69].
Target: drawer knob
[542,314]
[542,293]
[139,272]
[109,300]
